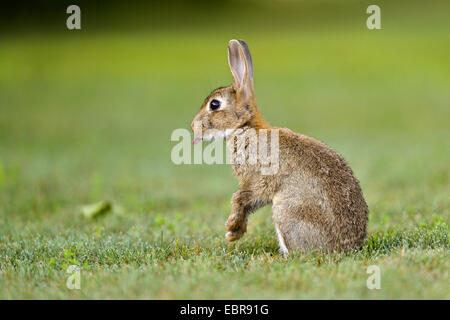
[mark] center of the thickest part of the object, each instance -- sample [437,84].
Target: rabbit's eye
[214,104]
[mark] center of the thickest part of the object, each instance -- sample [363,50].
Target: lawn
[86,117]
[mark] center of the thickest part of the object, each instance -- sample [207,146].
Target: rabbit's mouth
[222,134]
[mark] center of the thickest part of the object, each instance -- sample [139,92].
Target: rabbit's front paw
[237,233]
[234,235]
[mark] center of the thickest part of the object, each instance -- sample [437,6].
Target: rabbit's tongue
[196,140]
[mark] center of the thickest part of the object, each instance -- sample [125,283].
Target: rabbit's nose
[195,121]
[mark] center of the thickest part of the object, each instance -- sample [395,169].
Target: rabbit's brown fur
[317,202]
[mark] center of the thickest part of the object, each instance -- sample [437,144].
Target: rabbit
[317,203]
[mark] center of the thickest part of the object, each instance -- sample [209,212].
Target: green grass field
[86,117]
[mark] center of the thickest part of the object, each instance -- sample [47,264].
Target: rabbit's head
[229,108]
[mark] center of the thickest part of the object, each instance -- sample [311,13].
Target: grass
[87,117]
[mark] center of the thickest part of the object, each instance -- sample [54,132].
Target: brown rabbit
[317,202]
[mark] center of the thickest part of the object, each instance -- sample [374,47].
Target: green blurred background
[86,115]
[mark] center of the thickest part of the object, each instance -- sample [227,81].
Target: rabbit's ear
[241,66]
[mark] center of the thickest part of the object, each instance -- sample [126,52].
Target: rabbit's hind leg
[295,232]
[283,249]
